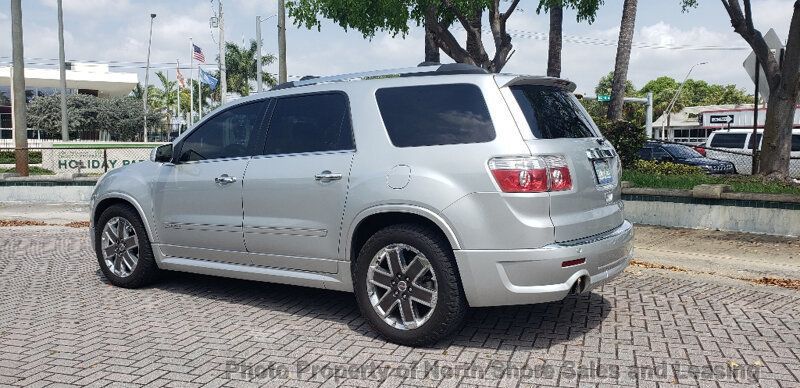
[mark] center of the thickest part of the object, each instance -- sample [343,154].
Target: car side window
[646,153]
[310,123]
[728,140]
[659,153]
[795,143]
[235,132]
[416,116]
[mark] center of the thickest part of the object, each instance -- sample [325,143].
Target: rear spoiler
[506,80]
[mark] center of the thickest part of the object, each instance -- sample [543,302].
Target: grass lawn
[33,170]
[738,183]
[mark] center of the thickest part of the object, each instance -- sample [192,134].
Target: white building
[693,124]
[82,78]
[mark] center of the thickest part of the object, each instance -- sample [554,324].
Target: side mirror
[162,154]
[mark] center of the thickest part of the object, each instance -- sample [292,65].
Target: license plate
[602,170]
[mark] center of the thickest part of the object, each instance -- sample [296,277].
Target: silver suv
[423,191]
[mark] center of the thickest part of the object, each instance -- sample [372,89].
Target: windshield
[681,151]
[553,113]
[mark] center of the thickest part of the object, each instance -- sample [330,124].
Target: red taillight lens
[700,150]
[531,174]
[560,178]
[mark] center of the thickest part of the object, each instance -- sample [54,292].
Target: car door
[198,200]
[294,194]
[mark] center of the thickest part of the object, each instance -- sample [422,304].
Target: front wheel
[407,286]
[123,248]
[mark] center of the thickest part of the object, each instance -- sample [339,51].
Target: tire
[145,271]
[450,306]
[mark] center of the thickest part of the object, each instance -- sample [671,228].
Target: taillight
[700,150]
[537,174]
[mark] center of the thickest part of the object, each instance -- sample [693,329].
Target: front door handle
[224,179]
[327,176]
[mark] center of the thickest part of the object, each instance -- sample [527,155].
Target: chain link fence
[741,159]
[94,159]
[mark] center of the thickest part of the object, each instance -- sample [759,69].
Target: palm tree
[240,62]
[167,98]
[623,59]
[586,11]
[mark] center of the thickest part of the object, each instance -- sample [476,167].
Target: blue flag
[208,79]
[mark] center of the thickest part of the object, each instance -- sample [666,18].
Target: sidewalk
[729,254]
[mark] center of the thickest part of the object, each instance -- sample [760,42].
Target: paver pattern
[62,324]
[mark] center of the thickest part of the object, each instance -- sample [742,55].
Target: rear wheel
[123,248]
[407,286]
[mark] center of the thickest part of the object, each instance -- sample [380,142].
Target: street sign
[603,97]
[720,119]
[775,45]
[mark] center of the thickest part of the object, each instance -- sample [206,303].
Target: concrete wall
[775,221]
[46,194]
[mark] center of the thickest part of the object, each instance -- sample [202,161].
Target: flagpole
[191,87]
[200,95]
[177,73]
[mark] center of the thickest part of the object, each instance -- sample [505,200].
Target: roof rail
[437,69]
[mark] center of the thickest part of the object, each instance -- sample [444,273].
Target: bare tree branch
[510,10]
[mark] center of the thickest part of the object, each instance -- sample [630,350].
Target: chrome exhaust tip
[579,286]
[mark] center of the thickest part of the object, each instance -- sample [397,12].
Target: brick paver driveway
[61,323]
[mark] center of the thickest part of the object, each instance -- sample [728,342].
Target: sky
[117,30]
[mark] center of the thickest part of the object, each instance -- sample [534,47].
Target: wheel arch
[370,220]
[119,198]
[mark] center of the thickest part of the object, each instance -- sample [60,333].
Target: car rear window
[552,113]
[728,140]
[428,115]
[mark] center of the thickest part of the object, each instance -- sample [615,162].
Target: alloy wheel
[401,286]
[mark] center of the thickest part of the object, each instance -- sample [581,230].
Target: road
[61,323]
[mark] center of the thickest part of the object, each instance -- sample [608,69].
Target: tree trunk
[554,51]
[474,42]
[777,141]
[20,117]
[431,47]
[626,29]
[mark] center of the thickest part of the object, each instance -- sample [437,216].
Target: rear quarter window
[428,115]
[728,140]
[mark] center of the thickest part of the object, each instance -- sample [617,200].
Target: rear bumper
[526,276]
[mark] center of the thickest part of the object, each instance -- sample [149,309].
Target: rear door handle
[224,179]
[327,176]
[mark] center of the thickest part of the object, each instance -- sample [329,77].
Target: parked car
[423,191]
[734,146]
[683,154]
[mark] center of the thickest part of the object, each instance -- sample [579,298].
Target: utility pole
[259,65]
[19,117]
[62,67]
[648,123]
[281,41]
[147,75]
[259,79]
[223,79]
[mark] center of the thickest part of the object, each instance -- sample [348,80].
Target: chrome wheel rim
[402,287]
[120,246]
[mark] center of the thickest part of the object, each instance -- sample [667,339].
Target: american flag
[198,54]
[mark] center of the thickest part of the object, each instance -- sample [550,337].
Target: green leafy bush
[665,168]
[626,137]
[7,157]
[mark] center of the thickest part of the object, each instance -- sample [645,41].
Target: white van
[737,141]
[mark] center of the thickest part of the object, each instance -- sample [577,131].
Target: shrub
[626,137]
[7,157]
[665,168]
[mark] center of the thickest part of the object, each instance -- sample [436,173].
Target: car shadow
[537,326]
